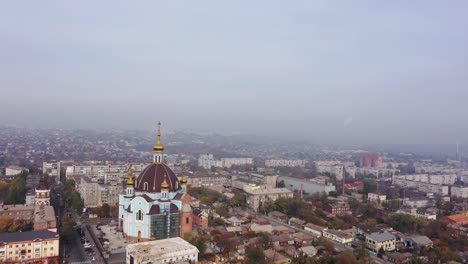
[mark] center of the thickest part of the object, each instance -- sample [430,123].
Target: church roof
[154,209]
[154,175]
[174,208]
[146,197]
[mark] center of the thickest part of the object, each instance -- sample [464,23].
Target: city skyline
[322,71]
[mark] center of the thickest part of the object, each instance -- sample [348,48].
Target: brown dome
[153,176]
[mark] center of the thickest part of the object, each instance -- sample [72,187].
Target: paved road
[76,250]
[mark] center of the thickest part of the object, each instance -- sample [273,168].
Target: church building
[155,205]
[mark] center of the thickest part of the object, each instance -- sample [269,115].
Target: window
[139,215]
[145,186]
[187,220]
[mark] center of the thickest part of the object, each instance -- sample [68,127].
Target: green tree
[362,254]
[238,200]
[281,184]
[104,211]
[17,189]
[66,232]
[369,186]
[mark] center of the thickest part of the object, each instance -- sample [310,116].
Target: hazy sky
[362,71]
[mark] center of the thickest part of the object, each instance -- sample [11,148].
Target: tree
[361,254]
[281,184]
[369,186]
[67,228]
[255,255]
[197,240]
[5,223]
[17,189]
[238,200]
[347,258]
[104,211]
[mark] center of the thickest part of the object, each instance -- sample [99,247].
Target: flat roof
[160,249]
[27,236]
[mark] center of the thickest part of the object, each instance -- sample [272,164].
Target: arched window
[187,220]
[139,215]
[145,186]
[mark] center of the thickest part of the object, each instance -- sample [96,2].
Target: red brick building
[371,161]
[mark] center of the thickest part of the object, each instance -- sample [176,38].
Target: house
[234,221]
[296,222]
[378,240]
[292,251]
[367,230]
[200,218]
[309,251]
[282,240]
[339,208]
[314,229]
[457,231]
[261,228]
[275,257]
[417,242]
[278,216]
[338,236]
[302,239]
[279,230]
[397,258]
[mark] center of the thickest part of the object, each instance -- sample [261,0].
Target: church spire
[158,148]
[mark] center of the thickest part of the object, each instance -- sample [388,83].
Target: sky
[328,71]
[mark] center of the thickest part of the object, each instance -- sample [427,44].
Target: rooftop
[381,237]
[27,236]
[164,248]
[265,191]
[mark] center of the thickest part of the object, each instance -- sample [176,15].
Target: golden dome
[164,184]
[183,180]
[158,147]
[130,177]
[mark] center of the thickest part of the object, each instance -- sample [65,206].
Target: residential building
[271,163]
[296,222]
[309,251]
[371,161]
[315,229]
[29,247]
[170,250]
[460,191]
[278,216]
[338,236]
[275,257]
[339,208]
[457,231]
[378,240]
[423,213]
[209,180]
[376,198]
[304,186]
[200,218]
[256,196]
[41,216]
[207,161]
[14,170]
[96,194]
[52,169]
[424,183]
